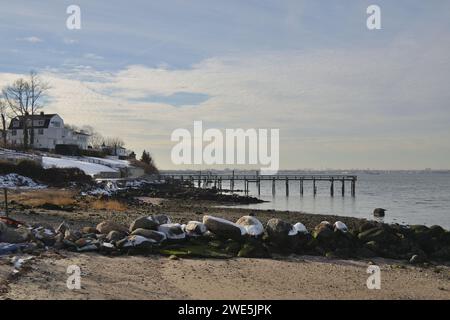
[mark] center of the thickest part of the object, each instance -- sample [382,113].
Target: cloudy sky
[342,96]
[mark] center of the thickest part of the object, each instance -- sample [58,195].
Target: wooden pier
[216,180]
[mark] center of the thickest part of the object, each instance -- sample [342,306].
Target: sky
[342,96]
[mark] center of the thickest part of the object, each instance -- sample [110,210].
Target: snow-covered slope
[64,162]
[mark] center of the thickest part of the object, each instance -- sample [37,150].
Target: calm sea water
[420,197]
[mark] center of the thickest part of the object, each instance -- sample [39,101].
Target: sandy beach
[156,277]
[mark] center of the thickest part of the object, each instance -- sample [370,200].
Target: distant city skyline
[342,96]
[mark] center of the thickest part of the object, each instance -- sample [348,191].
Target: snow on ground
[64,162]
[13,180]
[110,162]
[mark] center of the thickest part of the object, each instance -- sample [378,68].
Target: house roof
[45,117]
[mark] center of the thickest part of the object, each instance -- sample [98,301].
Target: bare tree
[4,116]
[37,90]
[115,143]
[96,140]
[24,98]
[17,100]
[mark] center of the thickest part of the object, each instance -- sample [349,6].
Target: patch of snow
[339,225]
[255,229]
[13,180]
[300,227]
[65,162]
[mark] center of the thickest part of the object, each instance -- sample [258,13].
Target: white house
[49,131]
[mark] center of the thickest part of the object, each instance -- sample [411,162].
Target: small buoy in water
[379,212]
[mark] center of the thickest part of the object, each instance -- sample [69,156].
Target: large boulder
[136,242]
[160,219]
[172,231]
[377,234]
[45,234]
[72,235]
[224,228]
[195,228]
[89,230]
[106,227]
[150,234]
[115,236]
[280,233]
[340,226]
[252,226]
[379,212]
[10,235]
[253,249]
[323,231]
[300,228]
[144,223]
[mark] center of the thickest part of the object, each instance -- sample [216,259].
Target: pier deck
[217,180]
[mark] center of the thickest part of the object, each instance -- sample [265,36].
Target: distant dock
[218,180]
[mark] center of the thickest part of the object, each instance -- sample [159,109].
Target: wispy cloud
[32,39]
[92,56]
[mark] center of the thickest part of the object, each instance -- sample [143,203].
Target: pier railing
[217,179]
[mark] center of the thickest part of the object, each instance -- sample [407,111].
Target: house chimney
[42,113]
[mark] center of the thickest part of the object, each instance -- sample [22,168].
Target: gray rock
[415,259]
[150,234]
[278,232]
[144,223]
[136,242]
[323,231]
[223,228]
[172,231]
[161,219]
[115,236]
[62,228]
[10,235]
[72,235]
[108,226]
[379,212]
[89,230]
[195,228]
[252,225]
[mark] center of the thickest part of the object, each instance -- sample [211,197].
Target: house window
[16,124]
[14,132]
[40,131]
[56,124]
